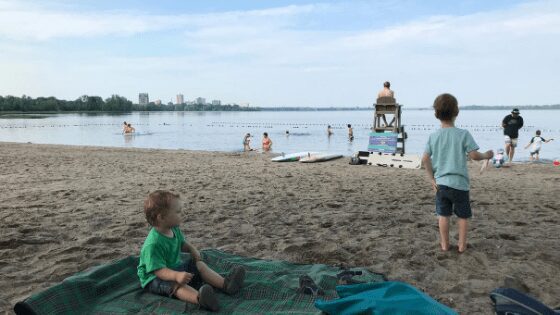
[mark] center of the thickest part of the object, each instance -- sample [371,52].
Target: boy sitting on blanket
[160,269]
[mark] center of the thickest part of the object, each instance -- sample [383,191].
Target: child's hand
[489,154]
[183,277]
[434,185]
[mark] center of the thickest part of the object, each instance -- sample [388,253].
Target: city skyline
[283,53]
[144,99]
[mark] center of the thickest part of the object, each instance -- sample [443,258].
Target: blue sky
[283,53]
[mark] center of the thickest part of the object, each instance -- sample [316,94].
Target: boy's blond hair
[158,202]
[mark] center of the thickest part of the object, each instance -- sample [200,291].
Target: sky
[283,53]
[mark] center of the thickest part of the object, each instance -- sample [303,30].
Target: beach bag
[508,301]
[355,160]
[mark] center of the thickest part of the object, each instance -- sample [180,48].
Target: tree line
[115,103]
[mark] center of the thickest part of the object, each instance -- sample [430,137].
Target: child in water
[537,142]
[266,142]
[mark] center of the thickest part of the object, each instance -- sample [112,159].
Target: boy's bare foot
[445,247]
[461,248]
[207,298]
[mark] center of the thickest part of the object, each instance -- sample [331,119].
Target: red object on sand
[556,162]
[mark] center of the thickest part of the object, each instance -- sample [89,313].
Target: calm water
[224,131]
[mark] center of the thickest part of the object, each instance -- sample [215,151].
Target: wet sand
[64,209]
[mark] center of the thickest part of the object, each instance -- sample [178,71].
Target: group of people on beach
[445,160]
[266,143]
[161,271]
[512,123]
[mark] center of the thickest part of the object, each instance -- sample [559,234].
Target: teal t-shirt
[448,148]
[159,251]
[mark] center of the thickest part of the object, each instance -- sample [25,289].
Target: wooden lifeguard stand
[387,107]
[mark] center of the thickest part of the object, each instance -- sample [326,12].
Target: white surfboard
[319,157]
[395,160]
[292,157]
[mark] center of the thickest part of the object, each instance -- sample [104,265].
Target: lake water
[224,131]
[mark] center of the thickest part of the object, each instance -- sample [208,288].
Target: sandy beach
[64,209]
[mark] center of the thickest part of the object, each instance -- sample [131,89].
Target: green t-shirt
[448,148]
[159,251]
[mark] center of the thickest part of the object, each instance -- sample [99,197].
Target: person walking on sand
[350,132]
[266,142]
[537,142]
[511,124]
[445,159]
[246,142]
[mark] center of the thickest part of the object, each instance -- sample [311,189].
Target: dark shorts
[450,200]
[165,288]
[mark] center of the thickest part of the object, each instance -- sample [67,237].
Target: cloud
[273,56]
[32,22]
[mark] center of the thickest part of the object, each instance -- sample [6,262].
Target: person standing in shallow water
[266,142]
[511,124]
[329,131]
[246,142]
[350,133]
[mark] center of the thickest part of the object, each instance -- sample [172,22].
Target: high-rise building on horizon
[157,102]
[200,101]
[143,99]
[180,99]
[216,102]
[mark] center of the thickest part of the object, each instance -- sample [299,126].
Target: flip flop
[308,286]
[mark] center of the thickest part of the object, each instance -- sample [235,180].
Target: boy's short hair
[158,202]
[387,84]
[538,132]
[446,107]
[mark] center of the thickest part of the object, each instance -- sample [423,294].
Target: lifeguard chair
[387,107]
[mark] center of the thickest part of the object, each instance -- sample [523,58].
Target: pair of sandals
[233,282]
[308,286]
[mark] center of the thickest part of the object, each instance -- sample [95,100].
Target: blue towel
[382,298]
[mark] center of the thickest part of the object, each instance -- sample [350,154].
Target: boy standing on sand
[160,269]
[445,159]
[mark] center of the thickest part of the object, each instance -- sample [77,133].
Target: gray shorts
[511,141]
[165,288]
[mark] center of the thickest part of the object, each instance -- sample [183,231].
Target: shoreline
[270,154]
[66,208]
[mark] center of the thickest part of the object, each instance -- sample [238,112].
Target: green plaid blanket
[271,287]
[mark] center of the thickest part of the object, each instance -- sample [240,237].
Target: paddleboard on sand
[291,157]
[395,160]
[319,157]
